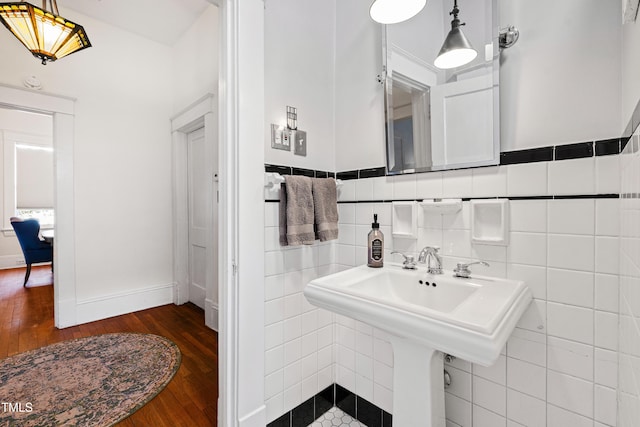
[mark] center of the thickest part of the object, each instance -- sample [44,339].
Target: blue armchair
[34,249]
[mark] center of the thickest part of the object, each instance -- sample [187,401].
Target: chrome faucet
[408,263]
[427,254]
[462,269]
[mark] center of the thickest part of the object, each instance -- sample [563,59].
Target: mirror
[442,119]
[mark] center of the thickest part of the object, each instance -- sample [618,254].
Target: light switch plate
[280,138]
[299,138]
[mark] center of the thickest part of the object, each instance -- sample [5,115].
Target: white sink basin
[426,315]
[468,318]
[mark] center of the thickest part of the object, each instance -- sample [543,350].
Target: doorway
[195,207]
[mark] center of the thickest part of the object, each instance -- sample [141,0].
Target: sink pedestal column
[418,385]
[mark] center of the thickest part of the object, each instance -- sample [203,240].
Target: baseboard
[211,313]
[11,261]
[257,418]
[92,309]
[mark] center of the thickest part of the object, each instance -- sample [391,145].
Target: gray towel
[325,202]
[297,201]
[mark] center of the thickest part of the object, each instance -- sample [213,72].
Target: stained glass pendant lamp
[43,31]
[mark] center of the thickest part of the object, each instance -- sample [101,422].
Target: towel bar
[273,180]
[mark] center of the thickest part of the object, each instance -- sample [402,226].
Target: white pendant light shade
[456,51]
[395,11]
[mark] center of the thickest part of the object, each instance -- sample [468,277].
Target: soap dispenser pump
[375,245]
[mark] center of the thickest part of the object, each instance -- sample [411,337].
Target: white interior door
[200,212]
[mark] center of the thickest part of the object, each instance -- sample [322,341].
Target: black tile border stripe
[334,395]
[578,150]
[573,151]
[531,155]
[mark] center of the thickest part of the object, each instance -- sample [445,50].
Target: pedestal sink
[427,315]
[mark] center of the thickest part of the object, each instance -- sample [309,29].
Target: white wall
[561,82]
[630,70]
[195,60]
[359,106]
[299,64]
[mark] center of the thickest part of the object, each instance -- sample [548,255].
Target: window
[28,178]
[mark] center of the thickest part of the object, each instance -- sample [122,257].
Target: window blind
[34,177]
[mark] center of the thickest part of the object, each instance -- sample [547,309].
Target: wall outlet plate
[299,138]
[280,138]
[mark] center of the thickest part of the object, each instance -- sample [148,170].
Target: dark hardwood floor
[190,399]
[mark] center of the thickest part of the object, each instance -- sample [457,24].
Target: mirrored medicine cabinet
[441,119]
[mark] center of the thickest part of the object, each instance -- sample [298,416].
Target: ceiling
[163,21]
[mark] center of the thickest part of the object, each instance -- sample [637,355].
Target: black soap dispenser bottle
[375,245]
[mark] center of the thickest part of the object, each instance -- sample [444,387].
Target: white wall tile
[606,292]
[570,322]
[527,179]
[607,217]
[607,174]
[457,410]
[489,182]
[606,367]
[570,287]
[569,357]
[575,176]
[404,186]
[460,383]
[526,410]
[457,183]
[527,248]
[534,276]
[382,188]
[528,346]
[347,213]
[490,395]
[573,216]
[364,189]
[571,252]
[347,191]
[605,405]
[558,417]
[570,393]
[429,185]
[496,372]
[606,325]
[484,418]
[607,257]
[528,215]
[526,378]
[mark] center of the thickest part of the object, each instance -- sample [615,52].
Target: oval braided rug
[93,381]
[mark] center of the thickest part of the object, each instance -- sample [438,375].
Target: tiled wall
[560,366]
[629,377]
[299,338]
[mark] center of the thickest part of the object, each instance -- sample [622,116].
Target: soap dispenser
[375,244]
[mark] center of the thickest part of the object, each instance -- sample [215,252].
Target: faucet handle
[462,269]
[408,263]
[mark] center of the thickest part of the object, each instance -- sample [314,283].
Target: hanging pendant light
[456,49]
[46,34]
[394,11]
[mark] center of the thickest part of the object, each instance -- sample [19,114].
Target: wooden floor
[26,323]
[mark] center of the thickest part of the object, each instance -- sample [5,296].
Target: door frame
[199,114]
[61,110]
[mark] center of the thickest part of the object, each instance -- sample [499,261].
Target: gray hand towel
[325,201]
[298,211]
